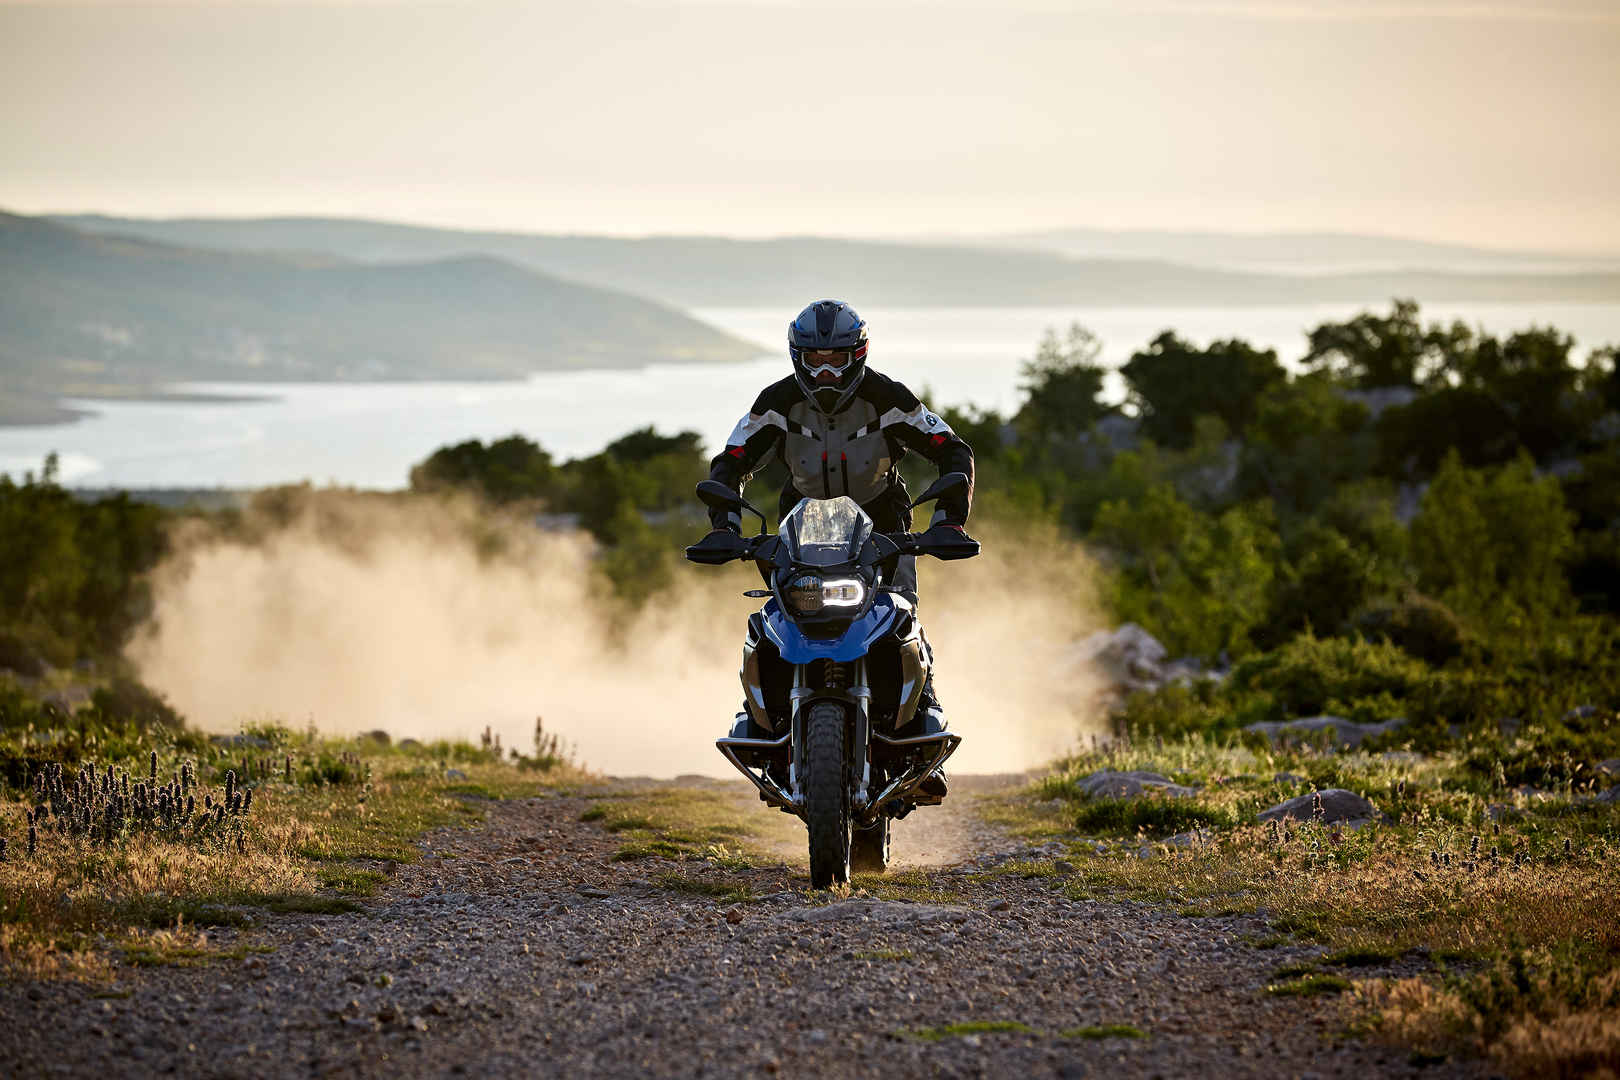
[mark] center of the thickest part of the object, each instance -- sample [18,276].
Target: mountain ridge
[696,271]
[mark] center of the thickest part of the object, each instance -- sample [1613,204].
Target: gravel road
[519,949]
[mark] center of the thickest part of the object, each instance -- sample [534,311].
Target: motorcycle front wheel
[826,795]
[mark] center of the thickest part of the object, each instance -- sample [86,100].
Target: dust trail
[432,618]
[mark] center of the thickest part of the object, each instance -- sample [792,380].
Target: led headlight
[808,594]
[843,592]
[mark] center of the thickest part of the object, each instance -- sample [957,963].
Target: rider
[841,429]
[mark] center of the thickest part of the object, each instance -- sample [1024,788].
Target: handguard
[720,546]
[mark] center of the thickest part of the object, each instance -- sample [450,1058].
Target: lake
[369,434]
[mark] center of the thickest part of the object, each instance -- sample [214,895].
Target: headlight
[804,594]
[808,593]
[843,592]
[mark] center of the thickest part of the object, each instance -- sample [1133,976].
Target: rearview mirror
[945,485]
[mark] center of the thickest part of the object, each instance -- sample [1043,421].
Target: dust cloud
[434,618]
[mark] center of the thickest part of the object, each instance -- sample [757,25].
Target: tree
[1492,543]
[508,469]
[1172,383]
[1198,582]
[1374,350]
[1306,439]
[1062,387]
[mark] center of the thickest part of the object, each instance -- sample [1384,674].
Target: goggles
[836,361]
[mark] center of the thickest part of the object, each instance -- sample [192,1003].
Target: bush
[1155,815]
[1420,626]
[1312,675]
[126,701]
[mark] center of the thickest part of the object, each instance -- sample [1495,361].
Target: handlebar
[723,546]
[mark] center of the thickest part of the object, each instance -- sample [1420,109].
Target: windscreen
[826,532]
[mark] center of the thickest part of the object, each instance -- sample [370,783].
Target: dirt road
[520,948]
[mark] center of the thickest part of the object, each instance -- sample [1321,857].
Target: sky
[1480,123]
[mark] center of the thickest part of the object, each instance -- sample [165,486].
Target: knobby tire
[826,795]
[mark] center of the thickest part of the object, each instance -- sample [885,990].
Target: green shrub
[1310,675]
[1417,625]
[1154,815]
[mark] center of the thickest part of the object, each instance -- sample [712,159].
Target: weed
[1310,986]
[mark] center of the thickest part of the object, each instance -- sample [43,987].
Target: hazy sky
[1489,123]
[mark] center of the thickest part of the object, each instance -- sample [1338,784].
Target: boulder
[1609,768]
[1112,784]
[1337,805]
[1345,733]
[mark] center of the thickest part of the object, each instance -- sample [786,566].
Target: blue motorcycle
[833,667]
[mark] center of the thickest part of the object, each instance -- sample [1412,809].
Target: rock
[999,905]
[1063,866]
[454,774]
[1288,778]
[1337,805]
[1110,784]
[1129,656]
[1344,733]
[1608,768]
[1581,712]
[734,915]
[593,892]
[1612,795]
[1402,757]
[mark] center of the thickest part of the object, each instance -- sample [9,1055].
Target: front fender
[852,644]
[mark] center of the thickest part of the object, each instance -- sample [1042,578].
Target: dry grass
[80,904]
[1524,937]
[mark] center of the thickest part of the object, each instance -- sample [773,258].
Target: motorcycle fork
[856,696]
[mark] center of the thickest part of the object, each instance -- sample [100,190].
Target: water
[369,434]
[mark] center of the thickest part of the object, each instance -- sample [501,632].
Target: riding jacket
[853,452]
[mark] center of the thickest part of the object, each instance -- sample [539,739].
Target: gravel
[532,953]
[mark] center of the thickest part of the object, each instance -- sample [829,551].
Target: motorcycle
[833,668]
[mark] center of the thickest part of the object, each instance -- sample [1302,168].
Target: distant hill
[1305,252]
[786,273]
[87,313]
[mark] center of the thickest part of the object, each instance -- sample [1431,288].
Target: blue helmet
[828,345]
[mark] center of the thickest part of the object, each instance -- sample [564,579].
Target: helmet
[828,345]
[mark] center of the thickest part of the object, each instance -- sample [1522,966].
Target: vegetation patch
[721,889]
[1310,986]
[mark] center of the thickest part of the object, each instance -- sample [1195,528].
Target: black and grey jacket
[853,452]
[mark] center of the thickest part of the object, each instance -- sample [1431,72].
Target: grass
[720,889]
[313,845]
[1310,986]
[1524,941]
[884,954]
[675,823]
[172,948]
